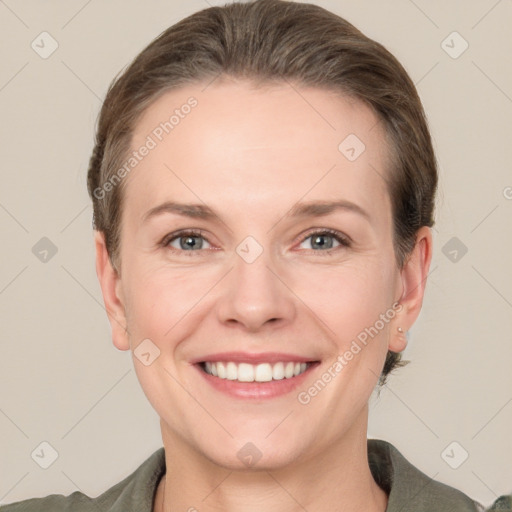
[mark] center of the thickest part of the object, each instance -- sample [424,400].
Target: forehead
[231,141]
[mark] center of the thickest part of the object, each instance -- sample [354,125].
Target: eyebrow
[309,209]
[321,208]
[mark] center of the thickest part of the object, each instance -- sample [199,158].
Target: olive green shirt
[408,489]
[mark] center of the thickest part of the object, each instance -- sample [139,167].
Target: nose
[254,295]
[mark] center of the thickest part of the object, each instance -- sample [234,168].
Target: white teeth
[245,372]
[278,371]
[263,372]
[231,371]
[221,370]
[288,371]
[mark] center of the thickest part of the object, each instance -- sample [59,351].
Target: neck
[338,479]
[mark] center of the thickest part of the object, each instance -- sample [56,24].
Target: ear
[414,279]
[110,283]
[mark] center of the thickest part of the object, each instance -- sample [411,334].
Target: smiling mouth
[262,372]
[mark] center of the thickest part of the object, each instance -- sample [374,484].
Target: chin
[249,457]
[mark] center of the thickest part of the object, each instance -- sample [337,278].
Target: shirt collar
[407,487]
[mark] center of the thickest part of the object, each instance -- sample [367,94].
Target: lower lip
[256,390]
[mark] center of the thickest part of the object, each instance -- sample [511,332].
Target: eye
[325,239]
[189,241]
[193,241]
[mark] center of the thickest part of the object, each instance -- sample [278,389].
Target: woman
[263,184]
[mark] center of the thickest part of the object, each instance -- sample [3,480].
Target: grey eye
[323,241]
[188,242]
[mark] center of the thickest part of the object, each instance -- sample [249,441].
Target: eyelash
[343,240]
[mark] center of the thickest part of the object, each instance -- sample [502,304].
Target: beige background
[63,382]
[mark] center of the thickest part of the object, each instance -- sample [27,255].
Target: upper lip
[253,358]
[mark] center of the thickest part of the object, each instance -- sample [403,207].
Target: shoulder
[502,504]
[409,488]
[77,502]
[135,492]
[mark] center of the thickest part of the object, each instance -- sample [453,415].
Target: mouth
[246,372]
[255,376]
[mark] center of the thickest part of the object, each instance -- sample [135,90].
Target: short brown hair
[273,41]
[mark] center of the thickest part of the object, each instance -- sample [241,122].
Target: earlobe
[398,340]
[111,290]
[414,275]
[414,279]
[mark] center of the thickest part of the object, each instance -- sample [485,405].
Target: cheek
[348,298]
[162,300]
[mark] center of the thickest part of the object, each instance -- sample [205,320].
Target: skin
[251,154]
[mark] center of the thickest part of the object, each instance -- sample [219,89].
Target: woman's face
[270,281]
